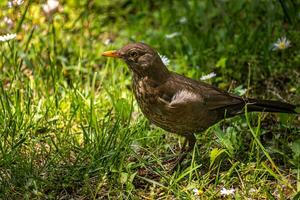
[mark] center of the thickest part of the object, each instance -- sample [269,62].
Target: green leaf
[296,148]
[214,154]
[222,62]
[124,177]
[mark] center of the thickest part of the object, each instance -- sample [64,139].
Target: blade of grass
[254,135]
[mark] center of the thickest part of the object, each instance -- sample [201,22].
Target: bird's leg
[191,139]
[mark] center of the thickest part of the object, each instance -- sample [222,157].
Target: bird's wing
[186,108]
[183,91]
[216,99]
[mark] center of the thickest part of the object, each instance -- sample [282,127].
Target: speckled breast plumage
[150,106]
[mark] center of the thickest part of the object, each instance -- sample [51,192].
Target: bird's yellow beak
[113,54]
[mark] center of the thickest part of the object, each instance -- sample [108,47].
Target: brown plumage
[179,104]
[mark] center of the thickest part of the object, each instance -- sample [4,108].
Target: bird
[179,104]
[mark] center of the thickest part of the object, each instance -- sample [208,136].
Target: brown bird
[179,104]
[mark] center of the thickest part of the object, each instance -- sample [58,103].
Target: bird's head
[141,59]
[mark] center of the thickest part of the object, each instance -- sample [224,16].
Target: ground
[70,127]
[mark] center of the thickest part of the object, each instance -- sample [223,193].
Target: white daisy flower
[50,7]
[208,76]
[196,191]
[12,3]
[164,59]
[18,2]
[107,41]
[171,35]
[281,44]
[225,192]
[9,22]
[183,20]
[7,37]
[252,190]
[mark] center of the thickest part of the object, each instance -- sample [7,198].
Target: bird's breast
[148,100]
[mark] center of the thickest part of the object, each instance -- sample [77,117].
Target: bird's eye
[133,54]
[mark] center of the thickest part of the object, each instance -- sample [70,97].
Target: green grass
[70,127]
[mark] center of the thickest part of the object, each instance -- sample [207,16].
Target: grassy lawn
[70,127]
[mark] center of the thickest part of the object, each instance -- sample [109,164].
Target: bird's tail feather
[255,105]
[270,106]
